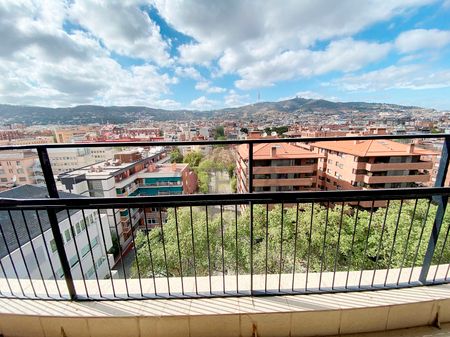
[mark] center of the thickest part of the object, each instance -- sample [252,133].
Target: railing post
[442,205]
[250,190]
[53,219]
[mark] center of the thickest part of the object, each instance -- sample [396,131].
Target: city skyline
[209,55]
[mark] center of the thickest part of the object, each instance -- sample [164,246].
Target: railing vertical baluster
[407,242]
[424,223]
[250,190]
[366,244]
[295,248]
[77,251]
[309,246]
[136,259]
[19,244]
[179,251]
[237,248]
[94,264]
[393,242]
[48,253]
[120,251]
[380,243]
[149,251]
[267,247]
[193,250]
[53,219]
[12,262]
[34,253]
[164,249]
[208,248]
[281,247]
[106,252]
[441,254]
[336,257]
[6,278]
[442,201]
[353,242]
[251,247]
[323,262]
[223,249]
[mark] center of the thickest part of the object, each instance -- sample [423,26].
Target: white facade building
[28,241]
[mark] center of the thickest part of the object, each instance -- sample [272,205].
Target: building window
[4,180]
[53,245]
[22,179]
[78,228]
[67,235]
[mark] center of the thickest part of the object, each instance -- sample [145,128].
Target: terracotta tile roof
[373,148]
[283,151]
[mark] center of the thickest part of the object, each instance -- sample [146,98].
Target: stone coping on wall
[288,315]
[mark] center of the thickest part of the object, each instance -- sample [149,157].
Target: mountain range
[83,114]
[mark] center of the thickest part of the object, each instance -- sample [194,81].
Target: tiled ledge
[297,315]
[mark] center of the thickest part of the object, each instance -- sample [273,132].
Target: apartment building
[370,164]
[277,167]
[69,159]
[68,135]
[17,168]
[130,173]
[28,243]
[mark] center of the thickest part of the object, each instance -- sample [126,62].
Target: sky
[209,54]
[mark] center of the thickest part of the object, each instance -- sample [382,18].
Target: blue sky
[208,54]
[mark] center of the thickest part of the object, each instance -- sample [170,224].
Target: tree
[193,158]
[219,131]
[176,156]
[337,238]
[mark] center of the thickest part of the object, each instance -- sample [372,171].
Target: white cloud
[123,27]
[418,39]
[203,103]
[395,77]
[233,99]
[242,34]
[342,55]
[206,86]
[40,63]
[188,72]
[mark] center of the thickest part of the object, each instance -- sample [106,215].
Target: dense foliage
[338,237]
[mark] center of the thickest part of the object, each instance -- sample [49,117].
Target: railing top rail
[220,142]
[226,199]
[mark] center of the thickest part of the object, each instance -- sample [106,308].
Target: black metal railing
[226,244]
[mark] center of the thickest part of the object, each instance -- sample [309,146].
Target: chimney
[411,148]
[274,151]
[174,167]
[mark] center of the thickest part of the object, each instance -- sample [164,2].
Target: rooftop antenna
[259,96]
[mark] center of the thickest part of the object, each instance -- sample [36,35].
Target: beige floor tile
[114,326]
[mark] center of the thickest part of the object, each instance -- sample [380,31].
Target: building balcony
[284,182]
[425,165]
[251,264]
[284,169]
[419,178]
